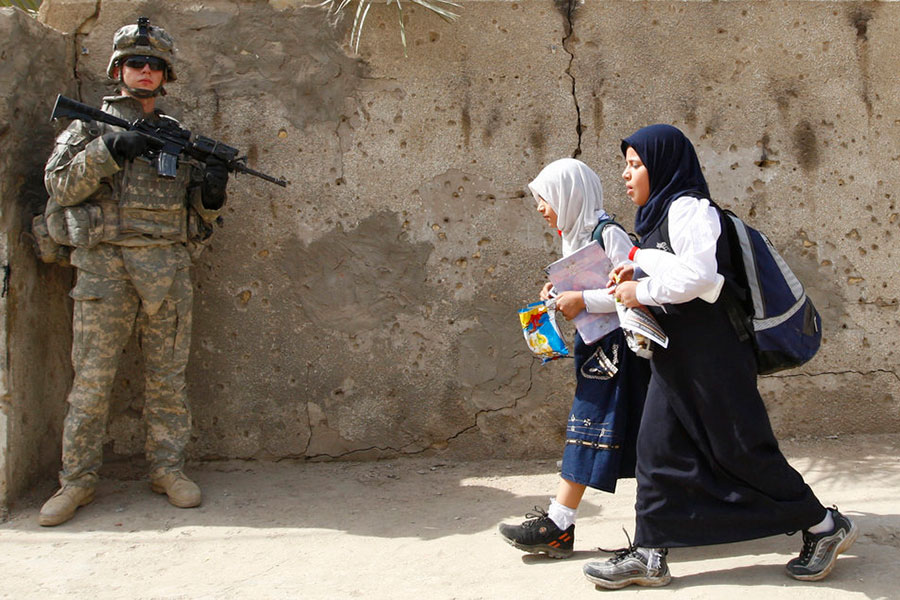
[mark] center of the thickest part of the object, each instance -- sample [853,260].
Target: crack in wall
[847,372]
[401,451]
[514,405]
[340,147]
[77,51]
[879,303]
[308,426]
[75,74]
[309,420]
[567,8]
[859,19]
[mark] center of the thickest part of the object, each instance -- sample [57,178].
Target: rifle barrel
[242,168]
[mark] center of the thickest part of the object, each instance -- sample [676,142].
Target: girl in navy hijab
[709,468]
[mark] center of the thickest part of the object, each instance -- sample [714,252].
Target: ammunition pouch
[46,248]
[79,226]
[198,233]
[161,224]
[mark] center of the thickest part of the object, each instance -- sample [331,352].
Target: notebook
[585,269]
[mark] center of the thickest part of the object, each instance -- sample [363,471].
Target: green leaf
[402,27]
[27,5]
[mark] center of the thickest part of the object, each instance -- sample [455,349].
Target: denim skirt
[601,432]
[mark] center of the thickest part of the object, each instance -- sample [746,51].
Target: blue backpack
[784,324]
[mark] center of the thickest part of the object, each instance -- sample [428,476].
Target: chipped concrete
[368,310]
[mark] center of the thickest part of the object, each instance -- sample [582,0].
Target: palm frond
[364,6]
[402,27]
[27,5]
[337,8]
[443,12]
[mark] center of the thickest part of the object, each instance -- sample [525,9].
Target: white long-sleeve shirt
[617,245]
[694,230]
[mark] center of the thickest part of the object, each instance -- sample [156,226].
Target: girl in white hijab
[570,198]
[574,193]
[610,382]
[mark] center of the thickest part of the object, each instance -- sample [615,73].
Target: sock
[827,524]
[561,515]
[653,556]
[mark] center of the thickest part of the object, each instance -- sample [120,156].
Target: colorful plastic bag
[541,333]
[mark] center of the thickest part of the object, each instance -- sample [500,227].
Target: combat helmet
[142,39]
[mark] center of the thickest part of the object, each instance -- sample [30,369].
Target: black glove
[214,181]
[125,145]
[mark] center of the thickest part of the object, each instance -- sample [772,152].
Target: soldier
[131,231]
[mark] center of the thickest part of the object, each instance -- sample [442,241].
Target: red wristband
[631,254]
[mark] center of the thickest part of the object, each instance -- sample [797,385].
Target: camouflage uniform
[131,230]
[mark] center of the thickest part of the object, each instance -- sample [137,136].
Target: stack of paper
[640,324]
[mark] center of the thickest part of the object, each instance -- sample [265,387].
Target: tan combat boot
[182,492]
[62,505]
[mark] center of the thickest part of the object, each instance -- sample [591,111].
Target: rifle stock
[73,109]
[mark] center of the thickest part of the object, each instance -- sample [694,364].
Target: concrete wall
[793,108]
[368,309]
[35,318]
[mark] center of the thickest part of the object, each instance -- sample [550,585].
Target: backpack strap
[733,294]
[602,224]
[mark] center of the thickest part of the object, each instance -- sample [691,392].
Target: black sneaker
[540,535]
[820,550]
[632,565]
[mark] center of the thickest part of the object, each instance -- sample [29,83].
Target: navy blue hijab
[673,168]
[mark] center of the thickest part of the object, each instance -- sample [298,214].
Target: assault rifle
[167,140]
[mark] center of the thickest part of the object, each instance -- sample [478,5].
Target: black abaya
[709,467]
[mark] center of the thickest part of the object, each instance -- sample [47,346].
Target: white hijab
[576,195]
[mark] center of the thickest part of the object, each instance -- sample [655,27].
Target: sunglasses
[138,62]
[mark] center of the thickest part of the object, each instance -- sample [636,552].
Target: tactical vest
[151,205]
[135,206]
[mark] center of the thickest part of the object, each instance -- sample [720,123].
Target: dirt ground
[419,528]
